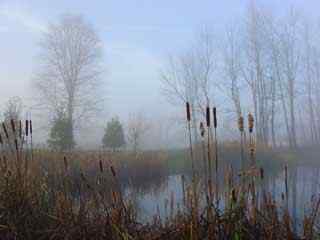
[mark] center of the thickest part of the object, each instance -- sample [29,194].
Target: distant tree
[137,128]
[68,76]
[113,137]
[61,135]
[13,109]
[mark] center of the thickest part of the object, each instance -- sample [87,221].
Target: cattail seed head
[113,171]
[188,111]
[101,166]
[208,116]
[20,129]
[13,127]
[233,195]
[65,161]
[215,123]
[27,128]
[240,124]
[252,150]
[250,122]
[1,141]
[5,130]
[202,130]
[261,173]
[30,127]
[16,144]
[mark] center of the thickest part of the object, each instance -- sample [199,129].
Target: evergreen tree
[61,135]
[113,137]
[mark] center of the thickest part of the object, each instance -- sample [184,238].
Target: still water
[303,187]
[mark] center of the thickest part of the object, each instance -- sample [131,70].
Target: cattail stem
[241,129]
[216,154]
[190,137]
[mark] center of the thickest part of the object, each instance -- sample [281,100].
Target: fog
[137,40]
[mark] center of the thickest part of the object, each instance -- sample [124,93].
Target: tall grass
[81,195]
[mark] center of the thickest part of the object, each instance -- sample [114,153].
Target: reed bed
[47,195]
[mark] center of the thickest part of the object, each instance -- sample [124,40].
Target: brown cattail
[20,129]
[250,122]
[188,111]
[208,116]
[101,166]
[5,130]
[30,127]
[261,173]
[240,124]
[1,141]
[27,128]
[202,130]
[13,127]
[113,171]
[252,149]
[65,161]
[233,195]
[215,123]
[16,144]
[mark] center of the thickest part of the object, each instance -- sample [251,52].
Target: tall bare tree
[68,78]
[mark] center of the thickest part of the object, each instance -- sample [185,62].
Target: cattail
[101,166]
[13,127]
[27,128]
[65,161]
[261,173]
[188,111]
[215,123]
[202,130]
[113,171]
[208,116]
[16,144]
[233,195]
[250,122]
[1,141]
[252,150]
[30,127]
[20,129]
[240,124]
[5,130]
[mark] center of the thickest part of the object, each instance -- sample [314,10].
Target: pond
[303,186]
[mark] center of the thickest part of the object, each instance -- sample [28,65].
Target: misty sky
[137,37]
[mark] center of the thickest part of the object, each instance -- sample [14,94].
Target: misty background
[138,37]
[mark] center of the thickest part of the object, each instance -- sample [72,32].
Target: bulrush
[16,145]
[27,128]
[65,162]
[5,130]
[113,171]
[13,127]
[30,127]
[202,130]
[208,116]
[101,166]
[250,122]
[215,123]
[20,129]
[188,111]
[240,124]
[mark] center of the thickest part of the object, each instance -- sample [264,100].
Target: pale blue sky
[137,36]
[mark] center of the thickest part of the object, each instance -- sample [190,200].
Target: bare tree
[13,109]
[231,68]
[137,128]
[190,77]
[70,69]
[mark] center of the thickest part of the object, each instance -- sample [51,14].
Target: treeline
[266,64]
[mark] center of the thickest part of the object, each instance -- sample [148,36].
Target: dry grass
[46,195]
